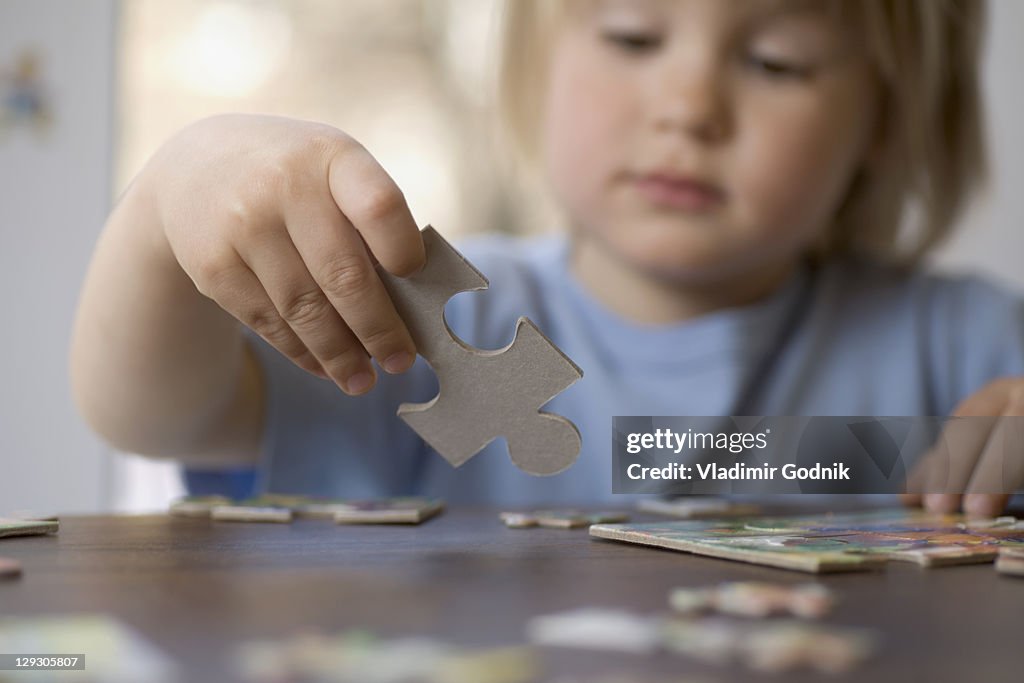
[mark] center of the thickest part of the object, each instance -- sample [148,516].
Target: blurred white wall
[992,238]
[54,196]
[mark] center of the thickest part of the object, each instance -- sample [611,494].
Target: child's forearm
[156,367]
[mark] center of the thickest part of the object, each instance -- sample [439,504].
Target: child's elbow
[110,414]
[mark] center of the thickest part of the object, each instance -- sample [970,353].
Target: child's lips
[678,192]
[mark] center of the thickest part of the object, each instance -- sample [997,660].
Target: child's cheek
[792,177]
[583,126]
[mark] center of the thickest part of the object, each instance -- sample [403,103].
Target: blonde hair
[925,54]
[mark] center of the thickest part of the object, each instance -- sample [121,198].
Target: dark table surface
[196,588]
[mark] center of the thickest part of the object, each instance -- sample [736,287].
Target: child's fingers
[1000,469]
[920,475]
[912,500]
[951,462]
[917,479]
[942,502]
[985,504]
[304,306]
[376,207]
[336,258]
[238,291]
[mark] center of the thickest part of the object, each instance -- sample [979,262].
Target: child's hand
[280,222]
[984,458]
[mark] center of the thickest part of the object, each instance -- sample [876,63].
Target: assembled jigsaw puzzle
[483,395]
[832,543]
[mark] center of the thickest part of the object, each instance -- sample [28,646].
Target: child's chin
[682,261]
[683,271]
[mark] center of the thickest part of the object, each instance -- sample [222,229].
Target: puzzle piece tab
[483,395]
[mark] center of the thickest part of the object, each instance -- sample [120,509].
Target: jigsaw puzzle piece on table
[197,506]
[284,508]
[482,394]
[756,599]
[116,653]
[696,507]
[23,527]
[388,511]
[560,519]
[245,512]
[1010,561]
[360,656]
[9,568]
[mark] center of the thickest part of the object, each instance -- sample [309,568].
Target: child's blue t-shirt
[846,338]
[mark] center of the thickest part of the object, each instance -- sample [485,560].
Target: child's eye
[774,67]
[633,42]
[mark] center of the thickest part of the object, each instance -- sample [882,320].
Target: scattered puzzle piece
[22,527]
[389,511]
[755,599]
[947,556]
[275,507]
[607,630]
[560,519]
[770,646]
[115,653]
[247,513]
[359,657]
[695,507]
[9,568]
[197,506]
[483,395]
[1010,561]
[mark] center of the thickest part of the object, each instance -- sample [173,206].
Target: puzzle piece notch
[482,394]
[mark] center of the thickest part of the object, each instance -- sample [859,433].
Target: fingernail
[359,382]
[399,362]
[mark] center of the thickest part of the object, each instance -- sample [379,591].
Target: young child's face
[696,139]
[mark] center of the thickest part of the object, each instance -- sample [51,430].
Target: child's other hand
[279,222]
[982,456]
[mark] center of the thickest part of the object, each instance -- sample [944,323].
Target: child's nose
[693,101]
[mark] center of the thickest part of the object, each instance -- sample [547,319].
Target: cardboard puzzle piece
[772,645]
[359,655]
[116,651]
[696,507]
[1010,561]
[284,508]
[24,527]
[560,519]
[250,513]
[389,511]
[756,599]
[9,568]
[483,395]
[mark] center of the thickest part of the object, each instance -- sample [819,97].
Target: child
[734,176]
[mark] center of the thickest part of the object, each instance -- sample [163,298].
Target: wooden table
[196,588]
